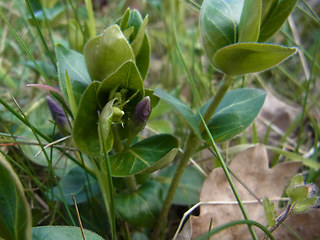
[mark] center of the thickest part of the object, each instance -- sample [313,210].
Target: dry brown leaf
[277,113]
[251,167]
[306,225]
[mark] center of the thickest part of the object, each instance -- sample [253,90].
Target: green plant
[103,105]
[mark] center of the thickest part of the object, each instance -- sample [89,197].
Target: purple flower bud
[143,109]
[57,112]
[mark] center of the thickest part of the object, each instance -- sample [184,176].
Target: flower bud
[143,110]
[57,112]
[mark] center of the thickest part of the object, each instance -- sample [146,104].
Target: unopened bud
[57,112]
[143,109]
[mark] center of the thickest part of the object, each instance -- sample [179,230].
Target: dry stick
[78,215]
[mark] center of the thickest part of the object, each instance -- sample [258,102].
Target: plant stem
[192,144]
[132,184]
[227,82]
[228,176]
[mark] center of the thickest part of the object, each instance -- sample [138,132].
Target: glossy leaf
[145,156]
[85,128]
[218,24]
[73,62]
[189,187]
[235,113]
[62,233]
[276,19]
[125,19]
[139,41]
[267,9]
[75,182]
[249,27]
[127,77]
[181,108]
[143,57]
[105,53]
[141,208]
[243,58]
[15,213]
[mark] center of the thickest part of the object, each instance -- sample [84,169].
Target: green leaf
[188,191]
[73,62]
[235,113]
[62,233]
[304,205]
[47,68]
[15,213]
[125,19]
[267,9]
[270,212]
[106,118]
[218,24]
[142,207]
[243,58]
[75,182]
[249,27]
[85,128]
[276,19]
[139,38]
[143,57]
[127,77]
[181,108]
[145,156]
[298,193]
[105,53]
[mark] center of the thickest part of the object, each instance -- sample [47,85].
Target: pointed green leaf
[142,207]
[235,113]
[145,156]
[218,24]
[270,212]
[85,128]
[125,19]
[138,40]
[276,19]
[249,27]
[267,9]
[181,108]
[62,233]
[72,100]
[105,53]
[15,213]
[243,58]
[73,62]
[143,57]
[127,77]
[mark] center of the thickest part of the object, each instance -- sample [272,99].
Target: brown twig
[78,215]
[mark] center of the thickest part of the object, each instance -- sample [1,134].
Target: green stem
[192,144]
[226,171]
[227,82]
[132,184]
[234,223]
[92,27]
